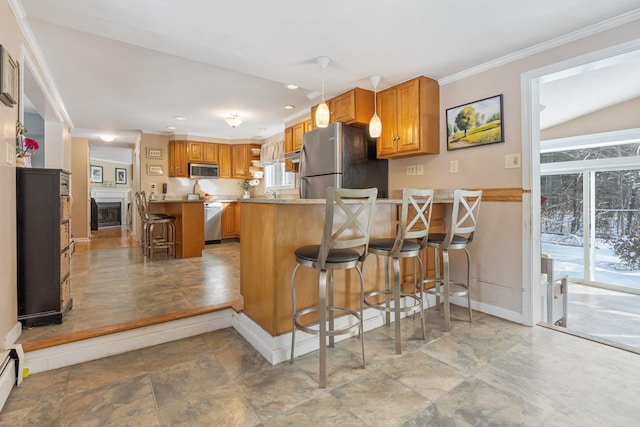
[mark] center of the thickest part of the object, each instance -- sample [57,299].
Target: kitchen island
[189,224]
[271,231]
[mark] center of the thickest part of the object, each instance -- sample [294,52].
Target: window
[276,178]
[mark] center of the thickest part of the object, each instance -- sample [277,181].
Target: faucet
[272,193]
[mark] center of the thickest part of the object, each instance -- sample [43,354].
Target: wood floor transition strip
[42,343]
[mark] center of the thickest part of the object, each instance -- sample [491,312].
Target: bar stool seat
[411,238]
[344,246]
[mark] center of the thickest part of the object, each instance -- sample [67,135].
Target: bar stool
[411,238]
[464,216]
[341,249]
[149,241]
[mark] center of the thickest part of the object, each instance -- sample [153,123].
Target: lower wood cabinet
[230,220]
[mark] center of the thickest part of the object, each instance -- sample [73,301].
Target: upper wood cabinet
[410,115]
[203,152]
[224,161]
[354,107]
[241,158]
[178,159]
[288,140]
[298,131]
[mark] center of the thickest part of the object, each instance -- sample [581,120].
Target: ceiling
[122,66]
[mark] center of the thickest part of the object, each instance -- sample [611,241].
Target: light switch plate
[10,154]
[512,161]
[419,170]
[453,166]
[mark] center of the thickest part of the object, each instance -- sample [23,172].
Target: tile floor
[488,373]
[491,372]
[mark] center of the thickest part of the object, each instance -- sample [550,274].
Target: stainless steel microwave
[203,171]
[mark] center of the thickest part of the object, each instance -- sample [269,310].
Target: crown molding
[45,80]
[614,22]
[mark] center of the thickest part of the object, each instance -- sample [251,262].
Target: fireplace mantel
[106,195]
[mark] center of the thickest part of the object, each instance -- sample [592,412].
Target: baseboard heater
[8,373]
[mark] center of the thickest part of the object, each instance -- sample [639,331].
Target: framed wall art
[154,153]
[476,123]
[121,176]
[154,170]
[9,78]
[96,174]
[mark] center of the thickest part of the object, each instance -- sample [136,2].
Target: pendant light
[322,112]
[375,125]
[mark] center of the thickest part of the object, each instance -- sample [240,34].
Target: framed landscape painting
[476,123]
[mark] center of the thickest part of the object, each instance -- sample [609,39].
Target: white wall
[58,155]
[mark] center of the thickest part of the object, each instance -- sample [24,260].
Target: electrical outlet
[512,161]
[419,170]
[453,166]
[411,170]
[152,186]
[10,153]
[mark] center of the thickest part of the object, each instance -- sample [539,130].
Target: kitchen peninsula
[189,224]
[272,229]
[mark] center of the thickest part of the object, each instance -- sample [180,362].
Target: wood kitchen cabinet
[410,119]
[178,159]
[224,161]
[241,157]
[43,209]
[288,139]
[203,152]
[354,107]
[230,220]
[298,131]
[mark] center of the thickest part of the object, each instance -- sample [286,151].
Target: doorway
[593,220]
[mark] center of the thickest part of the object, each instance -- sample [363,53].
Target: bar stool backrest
[353,221]
[143,207]
[464,215]
[414,223]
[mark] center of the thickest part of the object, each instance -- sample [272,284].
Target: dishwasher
[212,222]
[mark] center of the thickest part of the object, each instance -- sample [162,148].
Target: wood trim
[42,343]
[501,194]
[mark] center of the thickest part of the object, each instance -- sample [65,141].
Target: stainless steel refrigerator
[340,156]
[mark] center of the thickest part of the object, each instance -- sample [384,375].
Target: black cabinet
[43,244]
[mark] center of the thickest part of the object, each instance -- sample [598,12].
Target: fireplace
[106,201]
[109,214]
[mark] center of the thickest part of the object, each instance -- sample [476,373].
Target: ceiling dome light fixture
[107,138]
[375,125]
[322,112]
[233,120]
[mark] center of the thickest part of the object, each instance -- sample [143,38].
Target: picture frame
[9,78]
[154,153]
[96,174]
[154,170]
[121,176]
[475,123]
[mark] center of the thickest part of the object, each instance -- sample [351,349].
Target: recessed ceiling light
[180,118]
[262,129]
[289,107]
[292,87]
[107,138]
[171,127]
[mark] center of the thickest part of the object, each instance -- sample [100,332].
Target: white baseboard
[121,342]
[12,336]
[7,380]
